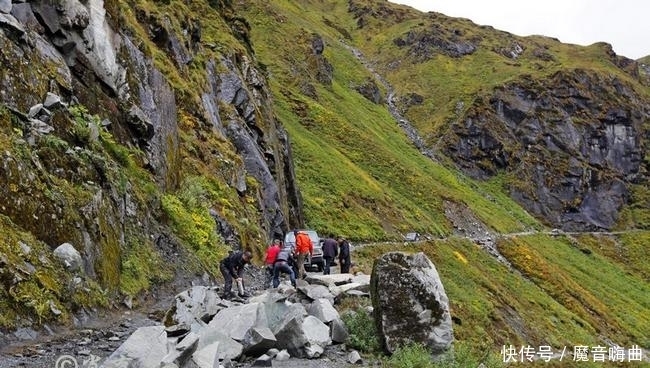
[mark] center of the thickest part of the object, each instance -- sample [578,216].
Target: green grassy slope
[560,294]
[358,173]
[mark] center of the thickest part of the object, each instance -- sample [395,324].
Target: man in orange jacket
[303,247]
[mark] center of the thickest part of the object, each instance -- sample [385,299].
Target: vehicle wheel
[319,267]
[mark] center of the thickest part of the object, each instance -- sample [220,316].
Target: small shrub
[142,266]
[361,327]
[410,356]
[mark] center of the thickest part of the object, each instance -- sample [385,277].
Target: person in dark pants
[330,251]
[283,263]
[269,260]
[344,255]
[232,267]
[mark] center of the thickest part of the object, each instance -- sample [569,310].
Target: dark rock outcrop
[424,44]
[574,142]
[370,90]
[319,64]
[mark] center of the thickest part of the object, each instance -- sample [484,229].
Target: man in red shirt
[303,247]
[271,254]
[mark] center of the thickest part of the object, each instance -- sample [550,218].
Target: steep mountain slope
[567,125]
[564,126]
[358,173]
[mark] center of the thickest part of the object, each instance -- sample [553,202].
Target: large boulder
[304,337]
[196,303]
[236,321]
[213,344]
[145,348]
[323,310]
[409,301]
[258,340]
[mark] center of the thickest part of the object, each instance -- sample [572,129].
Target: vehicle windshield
[291,239]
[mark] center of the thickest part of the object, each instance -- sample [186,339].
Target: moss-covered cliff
[161,141]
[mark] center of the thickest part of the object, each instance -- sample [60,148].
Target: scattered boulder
[258,340]
[410,303]
[305,338]
[327,280]
[338,331]
[5,6]
[315,292]
[236,321]
[183,350]
[205,331]
[278,314]
[354,357]
[69,256]
[263,361]
[208,356]
[146,347]
[52,101]
[282,356]
[226,347]
[198,303]
[323,310]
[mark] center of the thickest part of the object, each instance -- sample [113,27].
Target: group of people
[333,248]
[284,259]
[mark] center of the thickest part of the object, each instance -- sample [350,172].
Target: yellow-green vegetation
[33,284]
[417,356]
[557,293]
[358,173]
[50,189]
[142,267]
[587,281]
[189,214]
[361,327]
[361,177]
[636,215]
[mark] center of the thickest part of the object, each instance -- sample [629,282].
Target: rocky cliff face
[149,93]
[573,144]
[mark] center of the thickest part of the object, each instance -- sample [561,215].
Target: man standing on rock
[232,267]
[269,260]
[344,255]
[330,251]
[304,247]
[283,263]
